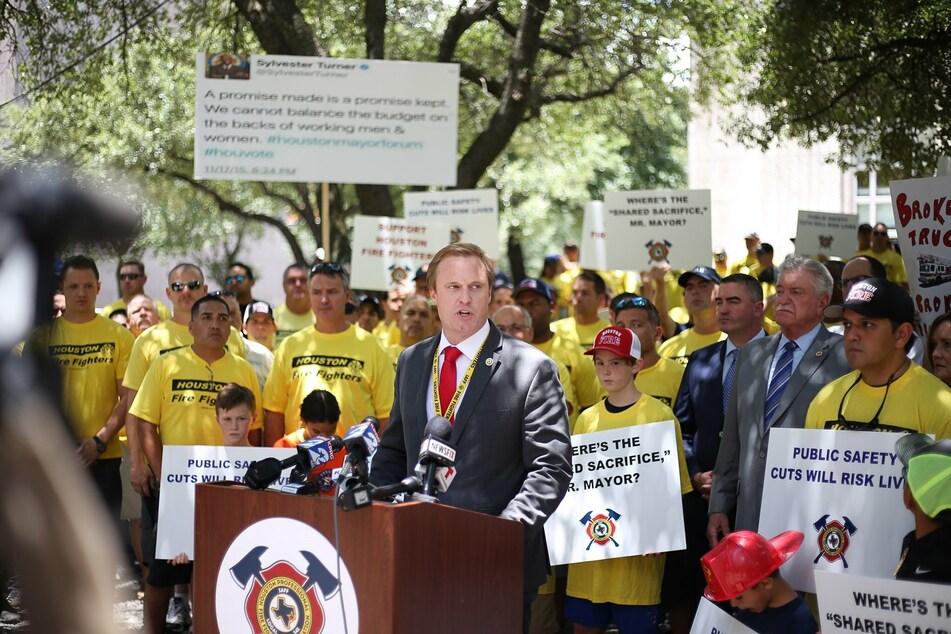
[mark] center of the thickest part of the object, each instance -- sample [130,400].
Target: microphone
[435,452]
[263,473]
[409,484]
[360,442]
[310,475]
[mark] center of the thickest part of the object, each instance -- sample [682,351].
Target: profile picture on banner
[227,66]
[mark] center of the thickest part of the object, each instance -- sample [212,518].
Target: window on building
[873,200]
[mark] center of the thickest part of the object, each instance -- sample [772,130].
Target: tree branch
[544,43]
[281,27]
[231,207]
[374,21]
[459,23]
[610,89]
[476,76]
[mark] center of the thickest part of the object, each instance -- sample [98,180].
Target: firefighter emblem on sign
[658,251]
[600,528]
[833,538]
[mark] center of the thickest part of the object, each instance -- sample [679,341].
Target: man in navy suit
[700,407]
[510,421]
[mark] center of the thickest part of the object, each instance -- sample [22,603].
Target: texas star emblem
[601,527]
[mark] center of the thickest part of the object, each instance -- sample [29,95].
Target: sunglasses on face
[235,279]
[880,233]
[178,287]
[326,267]
[129,276]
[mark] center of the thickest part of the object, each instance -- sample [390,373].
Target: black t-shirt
[927,559]
[792,618]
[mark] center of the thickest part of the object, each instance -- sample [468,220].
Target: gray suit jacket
[741,461]
[513,451]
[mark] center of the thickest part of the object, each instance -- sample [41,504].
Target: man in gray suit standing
[510,421]
[776,379]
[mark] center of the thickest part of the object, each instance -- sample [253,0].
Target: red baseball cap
[620,341]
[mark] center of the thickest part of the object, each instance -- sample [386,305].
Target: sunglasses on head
[178,287]
[326,267]
[129,276]
[631,302]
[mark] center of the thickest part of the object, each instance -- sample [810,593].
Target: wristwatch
[100,446]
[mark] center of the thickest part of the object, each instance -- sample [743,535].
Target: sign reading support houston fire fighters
[923,220]
[649,228]
[593,244]
[471,215]
[712,620]
[843,490]
[623,499]
[281,575]
[184,466]
[387,251]
[827,234]
[312,119]
[849,604]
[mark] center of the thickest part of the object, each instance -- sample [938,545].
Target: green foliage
[872,75]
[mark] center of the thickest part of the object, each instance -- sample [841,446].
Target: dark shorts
[161,572]
[683,577]
[108,481]
[630,619]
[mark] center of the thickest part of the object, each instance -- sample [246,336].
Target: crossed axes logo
[658,250]
[399,273]
[833,538]
[601,527]
[280,598]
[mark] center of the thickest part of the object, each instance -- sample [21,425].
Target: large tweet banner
[287,118]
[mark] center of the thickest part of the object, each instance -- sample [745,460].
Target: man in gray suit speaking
[776,379]
[510,421]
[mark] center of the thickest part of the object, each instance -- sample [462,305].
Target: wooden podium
[416,567]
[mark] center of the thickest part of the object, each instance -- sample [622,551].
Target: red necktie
[447,377]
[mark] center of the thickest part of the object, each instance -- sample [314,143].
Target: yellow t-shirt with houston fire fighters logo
[179,392]
[679,347]
[163,338]
[584,379]
[352,365]
[624,580]
[661,380]
[93,356]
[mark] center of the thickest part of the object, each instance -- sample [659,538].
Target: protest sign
[712,620]
[184,466]
[593,244]
[624,496]
[387,251]
[826,234]
[470,215]
[843,490]
[923,220]
[300,119]
[654,227]
[849,604]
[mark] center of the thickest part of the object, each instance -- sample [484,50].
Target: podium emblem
[278,580]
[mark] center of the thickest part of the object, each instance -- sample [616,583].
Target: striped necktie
[728,381]
[780,380]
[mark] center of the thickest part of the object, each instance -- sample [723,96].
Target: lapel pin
[489,361]
[819,353]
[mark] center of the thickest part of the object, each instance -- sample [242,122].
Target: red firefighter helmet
[743,559]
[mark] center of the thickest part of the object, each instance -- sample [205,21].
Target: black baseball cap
[258,307]
[704,272]
[535,285]
[878,299]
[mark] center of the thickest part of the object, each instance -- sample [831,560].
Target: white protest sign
[302,119]
[712,620]
[849,604]
[624,496]
[593,243]
[923,221]
[387,251]
[184,466]
[470,215]
[843,490]
[654,227]
[828,234]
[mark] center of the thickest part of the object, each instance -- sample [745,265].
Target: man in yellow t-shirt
[175,405]
[294,314]
[657,377]
[92,353]
[131,277]
[624,590]
[331,355]
[882,251]
[886,391]
[538,299]
[700,286]
[588,296]
[186,284]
